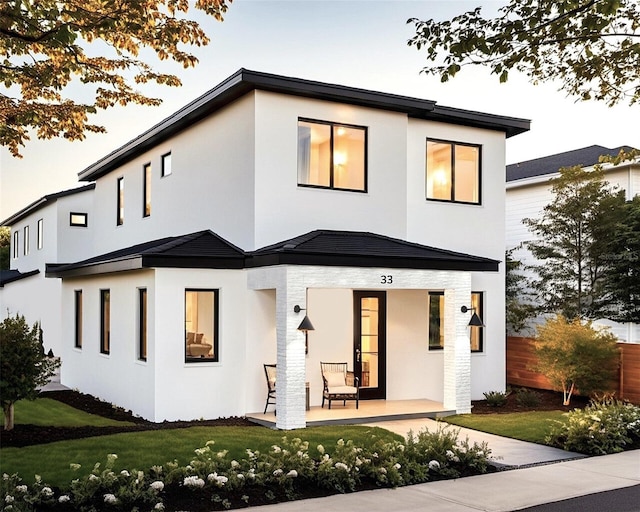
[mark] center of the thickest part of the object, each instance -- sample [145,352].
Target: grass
[48,412]
[527,426]
[141,450]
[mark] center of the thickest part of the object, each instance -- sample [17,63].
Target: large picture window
[105,321]
[142,324]
[201,325]
[332,155]
[78,319]
[453,172]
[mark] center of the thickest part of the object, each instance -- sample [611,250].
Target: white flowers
[157,485]
[125,473]
[110,499]
[9,499]
[452,456]
[159,507]
[21,488]
[342,465]
[64,499]
[47,492]
[320,449]
[292,474]
[397,465]
[278,472]
[218,480]
[193,481]
[434,465]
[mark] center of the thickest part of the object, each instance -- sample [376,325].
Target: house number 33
[386,279]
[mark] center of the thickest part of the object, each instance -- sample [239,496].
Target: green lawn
[141,450]
[48,412]
[527,426]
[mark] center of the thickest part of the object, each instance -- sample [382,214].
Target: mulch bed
[27,435]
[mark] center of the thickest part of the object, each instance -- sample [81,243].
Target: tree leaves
[45,45]
[592,47]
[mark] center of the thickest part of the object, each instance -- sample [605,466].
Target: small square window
[166,165]
[78,219]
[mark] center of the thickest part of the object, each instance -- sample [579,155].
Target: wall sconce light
[306,324]
[475,321]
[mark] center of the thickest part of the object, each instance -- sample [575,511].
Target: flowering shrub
[282,473]
[605,426]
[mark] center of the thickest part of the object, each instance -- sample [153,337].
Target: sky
[359,43]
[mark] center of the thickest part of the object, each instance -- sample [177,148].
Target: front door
[370,343]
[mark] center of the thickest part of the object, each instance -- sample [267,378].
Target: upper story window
[201,325]
[147,190]
[166,165]
[16,240]
[453,172]
[26,240]
[40,235]
[120,202]
[332,155]
[78,219]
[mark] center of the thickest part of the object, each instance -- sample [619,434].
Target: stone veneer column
[457,349]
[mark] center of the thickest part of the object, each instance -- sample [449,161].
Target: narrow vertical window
[166,165]
[16,240]
[147,190]
[477,333]
[78,319]
[142,324]
[436,320]
[26,240]
[120,201]
[40,234]
[201,325]
[105,321]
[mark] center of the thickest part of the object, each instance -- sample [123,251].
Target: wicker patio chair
[270,374]
[339,384]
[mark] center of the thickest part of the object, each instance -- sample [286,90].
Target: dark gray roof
[244,81]
[203,249]
[43,201]
[9,276]
[585,157]
[361,249]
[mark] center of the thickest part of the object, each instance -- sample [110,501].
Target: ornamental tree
[591,46]
[573,355]
[45,45]
[24,365]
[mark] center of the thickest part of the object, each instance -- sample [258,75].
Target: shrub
[496,398]
[281,474]
[527,397]
[605,426]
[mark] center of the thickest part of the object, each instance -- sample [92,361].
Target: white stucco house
[529,191]
[381,216]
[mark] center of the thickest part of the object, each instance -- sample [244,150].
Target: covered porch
[368,412]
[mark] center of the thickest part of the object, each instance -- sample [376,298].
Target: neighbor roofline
[245,81]
[42,202]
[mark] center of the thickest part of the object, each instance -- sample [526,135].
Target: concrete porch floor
[369,411]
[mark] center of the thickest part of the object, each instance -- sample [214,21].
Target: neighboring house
[529,191]
[380,215]
[56,227]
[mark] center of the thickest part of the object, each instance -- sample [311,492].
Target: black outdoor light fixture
[306,324]
[475,319]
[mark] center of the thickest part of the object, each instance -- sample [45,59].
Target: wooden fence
[520,358]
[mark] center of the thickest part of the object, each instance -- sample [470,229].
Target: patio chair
[270,374]
[339,383]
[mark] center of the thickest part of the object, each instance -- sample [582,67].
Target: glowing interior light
[339,158]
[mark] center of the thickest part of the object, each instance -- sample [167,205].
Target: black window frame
[105,324]
[453,145]
[78,318]
[143,318]
[216,327]
[25,242]
[16,244]
[333,125]
[431,333]
[147,175]
[40,234]
[163,167]
[480,312]
[120,201]
[82,224]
